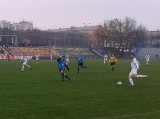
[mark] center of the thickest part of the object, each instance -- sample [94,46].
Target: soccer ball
[119,83]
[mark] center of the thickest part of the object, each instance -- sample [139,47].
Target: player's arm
[58,59]
[137,64]
[77,59]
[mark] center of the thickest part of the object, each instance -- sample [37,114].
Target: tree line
[120,34]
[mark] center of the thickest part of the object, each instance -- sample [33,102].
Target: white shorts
[67,60]
[133,72]
[147,60]
[25,63]
[37,58]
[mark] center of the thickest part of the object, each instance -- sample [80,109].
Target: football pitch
[92,94]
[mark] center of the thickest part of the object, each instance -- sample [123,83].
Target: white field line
[131,115]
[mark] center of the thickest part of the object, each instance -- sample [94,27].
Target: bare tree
[141,35]
[120,34]
[26,42]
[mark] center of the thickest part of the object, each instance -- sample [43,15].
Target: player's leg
[147,62]
[67,61]
[37,60]
[104,61]
[83,66]
[138,75]
[130,79]
[113,66]
[135,76]
[78,68]
[23,67]
[64,75]
[80,65]
[132,74]
[141,76]
[27,65]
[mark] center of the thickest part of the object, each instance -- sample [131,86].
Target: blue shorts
[80,64]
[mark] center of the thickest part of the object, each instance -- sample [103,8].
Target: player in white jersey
[37,58]
[134,68]
[51,57]
[147,59]
[67,59]
[105,58]
[24,62]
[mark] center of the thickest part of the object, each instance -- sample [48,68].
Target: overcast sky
[50,14]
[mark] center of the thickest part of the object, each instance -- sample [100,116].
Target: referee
[112,61]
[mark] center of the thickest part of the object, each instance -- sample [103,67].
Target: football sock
[78,69]
[67,77]
[22,68]
[62,76]
[131,82]
[28,66]
[141,76]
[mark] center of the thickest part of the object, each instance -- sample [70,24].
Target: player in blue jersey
[8,56]
[61,67]
[80,62]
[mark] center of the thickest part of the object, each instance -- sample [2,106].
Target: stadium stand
[153,52]
[3,53]
[73,52]
[96,52]
[56,52]
[42,52]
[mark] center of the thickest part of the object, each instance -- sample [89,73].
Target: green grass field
[92,94]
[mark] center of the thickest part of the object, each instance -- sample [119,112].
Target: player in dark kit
[112,61]
[80,63]
[61,67]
